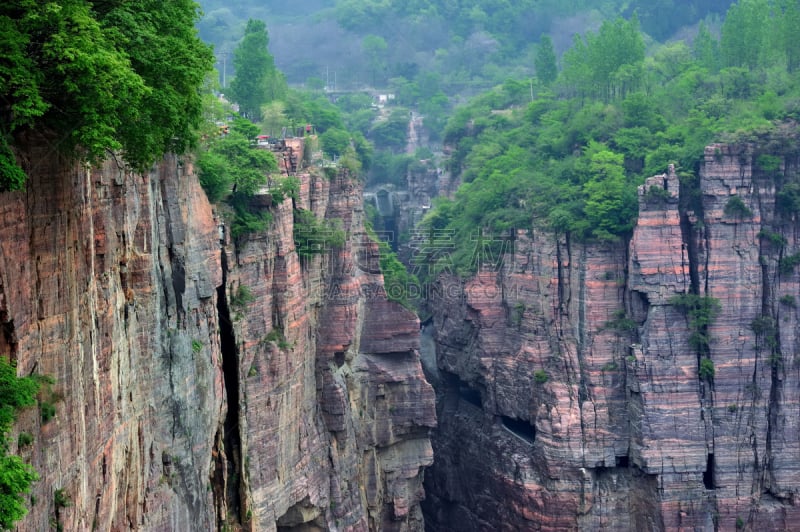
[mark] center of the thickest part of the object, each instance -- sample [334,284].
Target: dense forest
[464,46]
[570,157]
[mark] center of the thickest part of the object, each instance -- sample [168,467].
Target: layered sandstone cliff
[570,393]
[180,404]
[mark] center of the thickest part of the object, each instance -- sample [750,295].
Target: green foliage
[766,329]
[391,133]
[247,221]
[706,371]
[247,166]
[24,439]
[621,323]
[540,376]
[389,168]
[232,167]
[278,338]
[788,263]
[197,346]
[16,478]
[701,312]
[48,411]
[776,239]
[241,298]
[15,475]
[335,142]
[61,498]
[607,64]
[397,281]
[788,300]
[657,195]
[117,75]
[215,176]
[545,61]
[735,208]
[787,199]
[768,163]
[313,236]
[287,187]
[11,175]
[257,81]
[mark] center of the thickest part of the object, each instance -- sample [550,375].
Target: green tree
[335,142]
[610,203]
[706,49]
[101,75]
[257,80]
[744,34]
[375,48]
[15,475]
[391,133]
[607,64]
[545,61]
[788,20]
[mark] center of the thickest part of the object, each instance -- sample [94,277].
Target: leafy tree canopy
[94,76]
[257,81]
[571,159]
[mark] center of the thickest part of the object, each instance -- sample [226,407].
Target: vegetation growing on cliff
[569,158]
[313,236]
[15,475]
[94,76]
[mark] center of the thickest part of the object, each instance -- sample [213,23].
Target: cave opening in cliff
[708,474]
[520,428]
[230,371]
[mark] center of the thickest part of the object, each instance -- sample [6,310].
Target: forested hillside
[462,46]
[570,156]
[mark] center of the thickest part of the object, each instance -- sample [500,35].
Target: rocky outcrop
[107,284]
[200,382]
[336,411]
[578,389]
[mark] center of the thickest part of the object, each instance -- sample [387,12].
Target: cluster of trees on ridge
[570,159]
[92,76]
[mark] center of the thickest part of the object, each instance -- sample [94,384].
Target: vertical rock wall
[184,402]
[107,285]
[574,371]
[336,410]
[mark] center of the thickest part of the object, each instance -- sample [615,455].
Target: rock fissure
[231,439]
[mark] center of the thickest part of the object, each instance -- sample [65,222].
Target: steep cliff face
[573,390]
[107,283]
[335,408]
[185,402]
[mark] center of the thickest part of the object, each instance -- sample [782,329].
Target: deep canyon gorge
[570,389]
